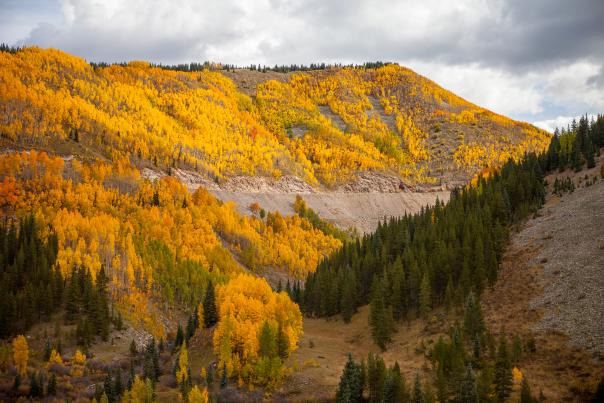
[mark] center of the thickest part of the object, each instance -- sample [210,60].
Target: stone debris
[573,266]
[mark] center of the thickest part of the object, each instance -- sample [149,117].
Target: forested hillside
[110,263]
[322,126]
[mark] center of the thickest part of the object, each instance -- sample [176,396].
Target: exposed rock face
[373,182]
[360,204]
[285,184]
[362,211]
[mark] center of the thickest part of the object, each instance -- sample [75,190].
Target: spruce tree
[376,376]
[282,344]
[473,321]
[525,392]
[350,389]
[425,298]
[380,317]
[467,391]
[180,338]
[224,379]
[503,371]
[210,313]
[51,389]
[418,394]
[348,300]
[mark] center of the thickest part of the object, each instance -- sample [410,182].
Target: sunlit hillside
[322,126]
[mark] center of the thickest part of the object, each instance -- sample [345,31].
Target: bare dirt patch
[324,349]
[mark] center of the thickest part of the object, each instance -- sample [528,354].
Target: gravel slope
[570,239]
[346,209]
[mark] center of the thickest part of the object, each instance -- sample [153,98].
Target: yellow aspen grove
[20,354]
[250,313]
[198,396]
[149,251]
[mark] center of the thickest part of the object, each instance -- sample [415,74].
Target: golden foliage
[55,358]
[199,120]
[20,354]
[169,250]
[198,396]
[517,375]
[244,304]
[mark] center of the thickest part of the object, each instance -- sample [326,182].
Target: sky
[540,61]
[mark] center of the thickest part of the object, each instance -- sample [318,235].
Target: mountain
[324,127]
[170,232]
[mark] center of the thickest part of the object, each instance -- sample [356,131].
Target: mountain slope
[324,126]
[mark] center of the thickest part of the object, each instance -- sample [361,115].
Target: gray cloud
[517,57]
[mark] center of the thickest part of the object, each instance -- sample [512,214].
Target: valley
[207,232]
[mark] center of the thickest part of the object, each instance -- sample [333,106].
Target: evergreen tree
[425,296]
[210,313]
[180,338]
[348,300]
[34,388]
[473,320]
[267,342]
[418,394]
[51,389]
[468,392]
[376,376]
[380,317]
[525,392]
[282,344]
[224,379]
[350,389]
[503,371]
[484,384]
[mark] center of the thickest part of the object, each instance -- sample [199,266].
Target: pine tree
[224,379]
[348,300]
[267,342]
[210,313]
[34,388]
[180,338]
[473,320]
[425,299]
[418,394]
[118,387]
[380,317]
[282,344]
[47,350]
[51,389]
[503,371]
[394,389]
[376,376]
[467,391]
[350,389]
[525,392]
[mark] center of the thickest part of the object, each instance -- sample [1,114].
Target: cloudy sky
[536,60]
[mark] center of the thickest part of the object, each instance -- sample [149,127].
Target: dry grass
[328,343]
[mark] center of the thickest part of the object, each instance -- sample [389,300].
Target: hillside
[549,288]
[174,226]
[323,127]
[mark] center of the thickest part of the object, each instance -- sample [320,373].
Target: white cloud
[530,61]
[494,89]
[558,122]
